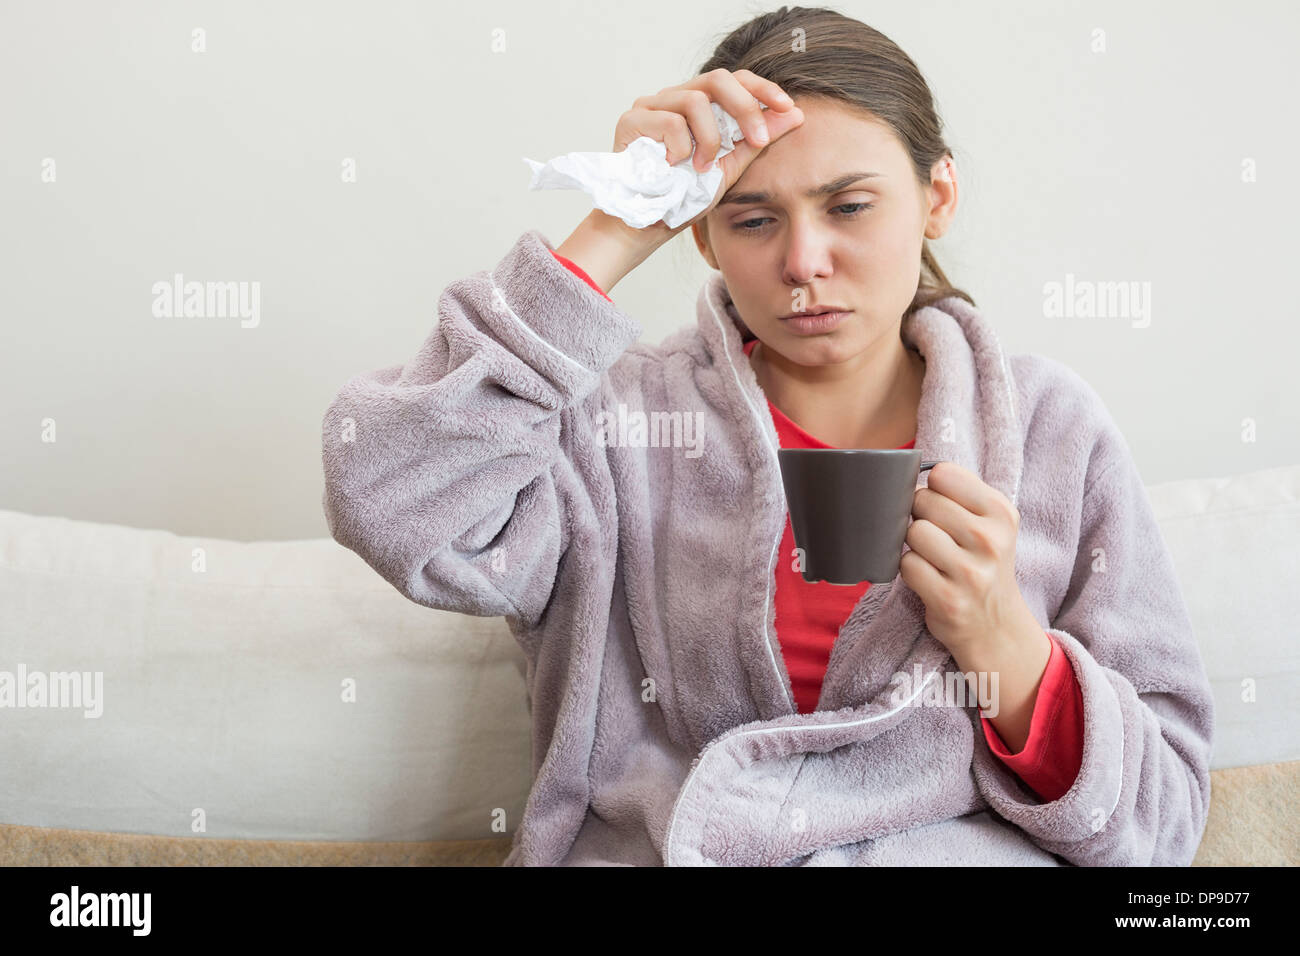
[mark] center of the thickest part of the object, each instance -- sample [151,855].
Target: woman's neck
[870,402]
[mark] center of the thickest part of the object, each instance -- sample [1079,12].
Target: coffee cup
[849,509]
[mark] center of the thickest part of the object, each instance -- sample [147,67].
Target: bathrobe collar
[967,414]
[967,380]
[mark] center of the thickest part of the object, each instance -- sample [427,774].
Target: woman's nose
[807,257]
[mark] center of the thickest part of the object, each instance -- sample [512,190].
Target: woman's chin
[842,343]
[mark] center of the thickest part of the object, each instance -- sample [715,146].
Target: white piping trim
[672,824]
[776,545]
[1011,403]
[499,296]
[1120,790]
[736,375]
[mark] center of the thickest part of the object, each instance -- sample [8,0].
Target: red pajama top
[808,620]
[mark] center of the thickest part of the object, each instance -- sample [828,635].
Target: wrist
[607,248]
[1020,639]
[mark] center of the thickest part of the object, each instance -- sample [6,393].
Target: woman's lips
[815,324]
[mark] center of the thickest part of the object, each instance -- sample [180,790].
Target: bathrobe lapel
[967,415]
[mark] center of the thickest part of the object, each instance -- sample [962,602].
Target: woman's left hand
[962,562]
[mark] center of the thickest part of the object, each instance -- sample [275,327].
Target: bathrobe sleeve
[1141,796]
[451,474]
[1049,761]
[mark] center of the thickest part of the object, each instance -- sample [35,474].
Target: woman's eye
[856,207]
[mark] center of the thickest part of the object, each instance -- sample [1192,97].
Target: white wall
[1122,165]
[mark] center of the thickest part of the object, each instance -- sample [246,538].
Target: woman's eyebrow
[826,189]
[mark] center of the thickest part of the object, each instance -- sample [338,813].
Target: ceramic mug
[850,508]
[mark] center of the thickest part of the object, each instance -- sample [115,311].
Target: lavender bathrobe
[480,478]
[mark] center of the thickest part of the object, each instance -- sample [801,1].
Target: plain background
[1124,165]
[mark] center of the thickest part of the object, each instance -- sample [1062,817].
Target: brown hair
[818,52]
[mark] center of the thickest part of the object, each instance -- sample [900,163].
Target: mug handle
[927,465]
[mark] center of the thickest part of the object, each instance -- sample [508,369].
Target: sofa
[219,702]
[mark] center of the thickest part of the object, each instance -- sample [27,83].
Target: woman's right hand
[606,247]
[675,114]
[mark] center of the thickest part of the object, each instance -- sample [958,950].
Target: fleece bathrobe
[501,472]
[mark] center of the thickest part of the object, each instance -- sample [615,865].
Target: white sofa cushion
[1236,546]
[223,690]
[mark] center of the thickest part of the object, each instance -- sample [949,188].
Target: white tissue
[637,185]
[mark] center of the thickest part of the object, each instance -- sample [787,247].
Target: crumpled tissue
[637,185]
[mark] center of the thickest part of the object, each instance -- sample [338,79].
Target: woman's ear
[700,230]
[942,197]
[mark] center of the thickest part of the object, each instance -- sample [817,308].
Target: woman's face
[855,246]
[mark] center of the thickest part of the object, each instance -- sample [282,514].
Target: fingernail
[760,135]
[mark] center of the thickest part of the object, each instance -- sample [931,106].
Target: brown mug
[850,508]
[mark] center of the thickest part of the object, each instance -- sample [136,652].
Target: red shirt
[808,620]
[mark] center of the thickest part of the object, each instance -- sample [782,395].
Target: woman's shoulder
[683,345]
[1061,411]
[1053,393]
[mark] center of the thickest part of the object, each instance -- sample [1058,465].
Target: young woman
[694,700]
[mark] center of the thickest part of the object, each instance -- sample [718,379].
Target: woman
[693,699]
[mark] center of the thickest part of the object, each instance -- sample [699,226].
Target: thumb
[780,122]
